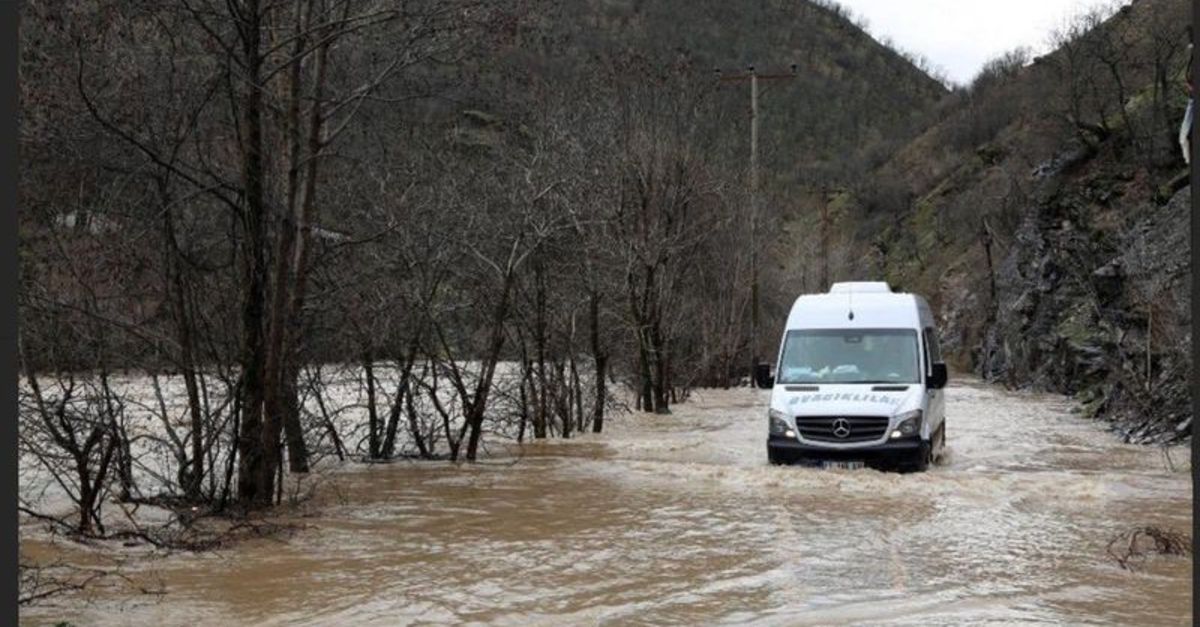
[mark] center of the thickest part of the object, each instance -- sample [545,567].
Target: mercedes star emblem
[841,427]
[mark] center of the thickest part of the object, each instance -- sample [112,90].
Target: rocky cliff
[1046,217]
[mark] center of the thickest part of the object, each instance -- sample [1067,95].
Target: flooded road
[678,519]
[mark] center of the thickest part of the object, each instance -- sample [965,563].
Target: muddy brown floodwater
[679,519]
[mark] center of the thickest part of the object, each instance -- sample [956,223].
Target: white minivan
[858,381]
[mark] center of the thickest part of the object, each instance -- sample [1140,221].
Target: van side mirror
[762,376]
[937,377]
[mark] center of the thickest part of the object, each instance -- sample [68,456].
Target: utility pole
[753,77]
[824,242]
[753,219]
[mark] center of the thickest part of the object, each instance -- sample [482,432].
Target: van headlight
[779,425]
[908,424]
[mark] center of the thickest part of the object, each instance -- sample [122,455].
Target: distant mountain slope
[852,102]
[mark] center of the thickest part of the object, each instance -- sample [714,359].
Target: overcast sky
[960,35]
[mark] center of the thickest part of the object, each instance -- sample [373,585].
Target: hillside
[852,104]
[498,86]
[882,98]
[1043,215]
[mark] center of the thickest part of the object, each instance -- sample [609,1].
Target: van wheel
[773,459]
[922,460]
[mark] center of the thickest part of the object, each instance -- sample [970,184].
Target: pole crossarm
[745,77]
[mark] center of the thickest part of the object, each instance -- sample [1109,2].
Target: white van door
[936,398]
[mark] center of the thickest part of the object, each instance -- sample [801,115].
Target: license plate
[841,465]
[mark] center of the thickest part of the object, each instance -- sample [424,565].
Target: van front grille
[854,428]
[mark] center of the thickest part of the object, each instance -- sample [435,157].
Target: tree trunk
[280,370]
[388,450]
[414,426]
[539,338]
[183,328]
[660,380]
[255,478]
[330,428]
[372,414]
[235,430]
[393,423]
[293,430]
[524,402]
[495,344]
[526,373]
[121,448]
[576,394]
[297,451]
[646,394]
[87,498]
[601,360]
[562,400]
[644,319]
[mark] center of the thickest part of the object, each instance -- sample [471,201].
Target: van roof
[860,287]
[872,309]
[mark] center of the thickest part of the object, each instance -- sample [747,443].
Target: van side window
[933,352]
[925,350]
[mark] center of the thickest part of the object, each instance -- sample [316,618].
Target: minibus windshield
[849,356]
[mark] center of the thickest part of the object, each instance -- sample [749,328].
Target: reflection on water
[678,519]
